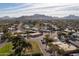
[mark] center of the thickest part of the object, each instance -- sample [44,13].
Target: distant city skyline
[49,9]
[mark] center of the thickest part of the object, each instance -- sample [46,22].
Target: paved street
[38,39]
[19,26]
[43,46]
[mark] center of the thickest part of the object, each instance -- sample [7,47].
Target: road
[43,46]
[20,26]
[38,39]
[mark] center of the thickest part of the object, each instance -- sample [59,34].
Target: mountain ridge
[39,16]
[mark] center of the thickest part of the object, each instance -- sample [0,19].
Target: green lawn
[35,48]
[6,49]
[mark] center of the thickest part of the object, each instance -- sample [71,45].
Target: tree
[20,45]
[55,49]
[48,39]
[39,25]
[5,29]
[28,34]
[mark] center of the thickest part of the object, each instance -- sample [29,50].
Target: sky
[49,9]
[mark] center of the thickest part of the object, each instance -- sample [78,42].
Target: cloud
[16,7]
[41,8]
[72,7]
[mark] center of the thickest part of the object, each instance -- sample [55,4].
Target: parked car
[43,42]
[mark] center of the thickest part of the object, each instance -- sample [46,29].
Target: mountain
[71,17]
[5,17]
[36,17]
